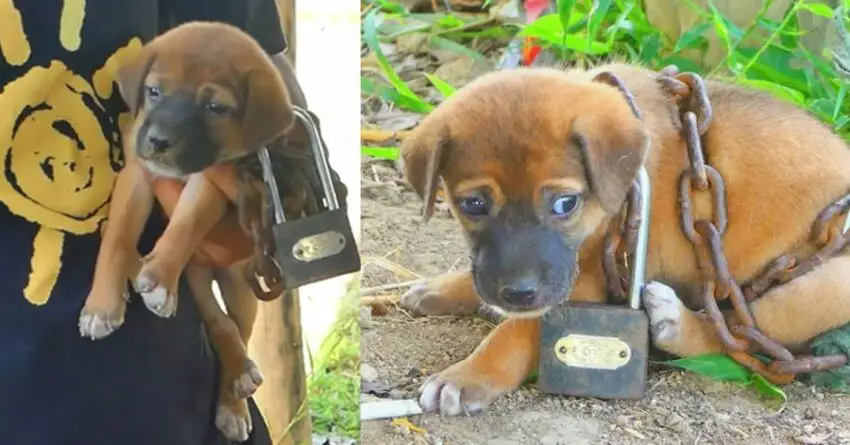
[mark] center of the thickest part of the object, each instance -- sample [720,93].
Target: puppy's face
[534,161]
[203,93]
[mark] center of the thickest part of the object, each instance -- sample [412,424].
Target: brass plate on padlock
[593,352]
[318,246]
[594,336]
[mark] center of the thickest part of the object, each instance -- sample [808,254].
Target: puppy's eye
[216,108]
[473,206]
[564,205]
[153,93]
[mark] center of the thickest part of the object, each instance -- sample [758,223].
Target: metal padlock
[314,247]
[598,350]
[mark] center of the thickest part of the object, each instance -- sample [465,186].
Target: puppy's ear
[422,158]
[267,108]
[131,78]
[612,150]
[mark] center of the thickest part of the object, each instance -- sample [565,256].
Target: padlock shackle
[271,183]
[638,268]
[321,160]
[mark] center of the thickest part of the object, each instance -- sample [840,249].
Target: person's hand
[226,243]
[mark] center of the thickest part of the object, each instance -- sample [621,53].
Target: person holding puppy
[154,381]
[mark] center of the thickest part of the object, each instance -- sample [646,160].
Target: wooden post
[286,11]
[277,345]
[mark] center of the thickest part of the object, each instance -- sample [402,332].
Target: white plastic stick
[386,409]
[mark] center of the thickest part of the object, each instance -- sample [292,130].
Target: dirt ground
[679,407]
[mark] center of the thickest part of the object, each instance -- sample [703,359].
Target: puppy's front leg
[200,207]
[448,294]
[132,202]
[675,328]
[498,365]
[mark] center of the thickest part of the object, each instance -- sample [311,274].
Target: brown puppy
[536,162]
[203,94]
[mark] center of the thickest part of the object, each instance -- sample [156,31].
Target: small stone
[414,372]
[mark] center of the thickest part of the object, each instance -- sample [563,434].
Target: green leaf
[371,88]
[444,88]
[548,29]
[719,23]
[565,11]
[446,44]
[597,15]
[841,122]
[774,64]
[817,9]
[649,48]
[389,6]
[717,366]
[767,389]
[450,22]
[389,153]
[839,101]
[822,107]
[691,36]
[532,377]
[370,36]
[778,90]
[684,64]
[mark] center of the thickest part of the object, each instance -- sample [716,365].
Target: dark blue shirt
[152,382]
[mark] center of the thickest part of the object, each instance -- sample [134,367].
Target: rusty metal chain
[705,235]
[263,264]
[620,244]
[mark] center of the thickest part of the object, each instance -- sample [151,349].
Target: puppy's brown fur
[203,94]
[514,136]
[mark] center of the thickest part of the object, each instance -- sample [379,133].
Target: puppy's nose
[520,292]
[159,142]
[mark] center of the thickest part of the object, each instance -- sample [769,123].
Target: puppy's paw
[158,298]
[665,312]
[234,421]
[450,294]
[246,384]
[98,320]
[453,393]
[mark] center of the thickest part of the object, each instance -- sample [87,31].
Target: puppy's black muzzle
[522,265]
[176,135]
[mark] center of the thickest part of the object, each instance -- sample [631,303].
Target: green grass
[334,385]
[585,31]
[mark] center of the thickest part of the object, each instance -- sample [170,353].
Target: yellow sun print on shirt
[57,158]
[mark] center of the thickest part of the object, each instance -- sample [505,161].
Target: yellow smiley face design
[59,159]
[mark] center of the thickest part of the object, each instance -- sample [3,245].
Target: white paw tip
[664,310]
[450,404]
[233,427]
[413,295]
[96,327]
[430,398]
[248,383]
[159,301]
[446,398]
